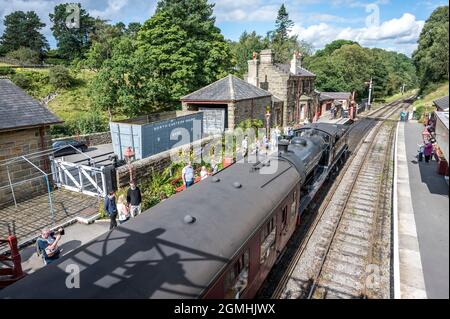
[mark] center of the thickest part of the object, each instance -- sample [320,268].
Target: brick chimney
[253,76]
[266,56]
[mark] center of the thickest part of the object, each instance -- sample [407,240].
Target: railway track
[340,240]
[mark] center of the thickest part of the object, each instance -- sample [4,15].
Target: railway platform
[421,251]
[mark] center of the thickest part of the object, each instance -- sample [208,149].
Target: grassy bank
[425,104]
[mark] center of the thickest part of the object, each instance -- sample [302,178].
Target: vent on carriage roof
[188,219]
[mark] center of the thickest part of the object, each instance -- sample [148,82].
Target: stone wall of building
[90,139]
[251,109]
[284,86]
[144,168]
[27,180]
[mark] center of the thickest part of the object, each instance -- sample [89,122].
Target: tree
[345,66]
[24,56]
[333,46]
[22,30]
[431,56]
[176,51]
[207,46]
[74,41]
[281,43]
[115,88]
[103,36]
[283,25]
[60,77]
[244,48]
[133,28]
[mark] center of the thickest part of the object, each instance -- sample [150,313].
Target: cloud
[401,33]
[113,8]
[250,10]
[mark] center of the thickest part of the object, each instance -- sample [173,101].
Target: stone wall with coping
[90,139]
[143,169]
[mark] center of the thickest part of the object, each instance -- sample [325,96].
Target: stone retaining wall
[144,168]
[90,139]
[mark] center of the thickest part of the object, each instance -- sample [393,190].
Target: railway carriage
[218,239]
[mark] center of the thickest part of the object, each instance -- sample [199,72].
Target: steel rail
[291,266]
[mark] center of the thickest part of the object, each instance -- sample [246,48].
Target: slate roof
[443,116]
[334,95]
[442,103]
[19,110]
[286,68]
[228,89]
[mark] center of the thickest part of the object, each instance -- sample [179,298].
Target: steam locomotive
[217,239]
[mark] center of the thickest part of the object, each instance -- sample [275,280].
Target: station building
[441,132]
[290,83]
[227,102]
[24,129]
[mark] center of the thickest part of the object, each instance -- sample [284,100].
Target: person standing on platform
[111,209]
[188,175]
[134,199]
[428,151]
[122,210]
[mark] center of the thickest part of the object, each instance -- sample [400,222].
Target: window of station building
[236,279]
[268,237]
[284,218]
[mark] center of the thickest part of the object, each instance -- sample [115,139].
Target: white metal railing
[89,180]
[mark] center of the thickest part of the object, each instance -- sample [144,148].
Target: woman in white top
[122,210]
[203,173]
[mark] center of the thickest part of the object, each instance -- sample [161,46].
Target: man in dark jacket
[111,209]
[134,199]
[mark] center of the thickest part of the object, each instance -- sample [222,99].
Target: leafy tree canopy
[431,56]
[175,52]
[244,48]
[74,41]
[346,66]
[22,30]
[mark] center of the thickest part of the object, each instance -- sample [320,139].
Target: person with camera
[47,245]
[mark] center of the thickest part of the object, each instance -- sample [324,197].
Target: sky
[389,24]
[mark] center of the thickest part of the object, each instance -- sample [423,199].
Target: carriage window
[284,217]
[268,236]
[294,205]
[236,279]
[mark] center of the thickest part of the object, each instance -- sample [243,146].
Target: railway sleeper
[349,249]
[354,260]
[337,288]
[337,267]
[356,225]
[352,240]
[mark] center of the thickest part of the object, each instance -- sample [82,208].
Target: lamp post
[129,153]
